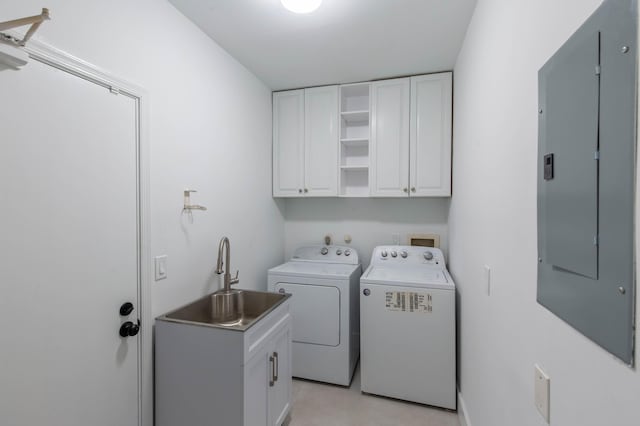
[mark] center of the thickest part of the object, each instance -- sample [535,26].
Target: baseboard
[463,414]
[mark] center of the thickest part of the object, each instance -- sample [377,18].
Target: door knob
[129,329]
[126,309]
[281,291]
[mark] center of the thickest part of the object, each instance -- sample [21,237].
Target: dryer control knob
[324,250]
[347,252]
[428,255]
[339,252]
[404,254]
[383,253]
[394,254]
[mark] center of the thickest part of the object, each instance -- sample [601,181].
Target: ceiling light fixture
[301,6]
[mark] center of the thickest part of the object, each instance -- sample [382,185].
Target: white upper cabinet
[387,138]
[288,147]
[305,142]
[389,156]
[321,141]
[430,140]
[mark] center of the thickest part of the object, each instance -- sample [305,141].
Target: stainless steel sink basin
[236,309]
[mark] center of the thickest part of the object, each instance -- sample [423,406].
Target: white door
[288,143]
[389,167]
[315,310]
[430,142]
[321,141]
[68,252]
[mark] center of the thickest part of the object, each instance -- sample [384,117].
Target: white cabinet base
[206,375]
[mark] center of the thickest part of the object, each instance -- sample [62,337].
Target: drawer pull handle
[277,362]
[272,379]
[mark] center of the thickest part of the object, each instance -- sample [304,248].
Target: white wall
[492,221]
[369,221]
[210,128]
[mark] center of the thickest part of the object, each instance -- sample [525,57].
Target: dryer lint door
[315,311]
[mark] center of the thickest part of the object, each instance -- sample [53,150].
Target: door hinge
[596,155]
[595,240]
[598,70]
[114,90]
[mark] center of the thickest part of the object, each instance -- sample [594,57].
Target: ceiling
[343,41]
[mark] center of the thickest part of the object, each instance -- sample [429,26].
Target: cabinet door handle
[277,362]
[413,189]
[272,380]
[404,190]
[299,191]
[306,190]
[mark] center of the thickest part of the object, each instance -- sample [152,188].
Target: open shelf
[355,142]
[359,168]
[354,182]
[355,97]
[355,116]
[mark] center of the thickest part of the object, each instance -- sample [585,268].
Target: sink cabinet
[208,376]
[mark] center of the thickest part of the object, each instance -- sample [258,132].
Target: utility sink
[235,309]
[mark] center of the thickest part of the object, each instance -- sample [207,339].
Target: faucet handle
[235,279]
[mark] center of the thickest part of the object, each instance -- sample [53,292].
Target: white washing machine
[323,282]
[407,321]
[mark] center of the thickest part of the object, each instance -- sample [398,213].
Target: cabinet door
[280,392]
[430,144]
[321,141]
[389,168]
[256,388]
[288,143]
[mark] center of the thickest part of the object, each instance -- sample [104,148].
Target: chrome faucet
[228,281]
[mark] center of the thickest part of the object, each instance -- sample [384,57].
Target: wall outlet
[542,387]
[487,279]
[161,267]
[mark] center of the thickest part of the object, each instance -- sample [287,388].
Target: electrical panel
[586,192]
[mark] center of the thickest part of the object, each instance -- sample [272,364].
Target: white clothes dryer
[323,282]
[407,320]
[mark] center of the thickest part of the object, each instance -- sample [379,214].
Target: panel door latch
[548,167]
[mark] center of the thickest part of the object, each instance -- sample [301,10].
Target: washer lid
[314,269]
[422,277]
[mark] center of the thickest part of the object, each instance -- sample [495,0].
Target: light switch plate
[161,267]
[542,387]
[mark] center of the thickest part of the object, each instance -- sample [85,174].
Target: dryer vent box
[586,155]
[424,240]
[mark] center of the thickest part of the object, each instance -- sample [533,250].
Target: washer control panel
[329,254]
[408,255]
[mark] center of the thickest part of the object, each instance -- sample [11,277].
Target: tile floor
[318,404]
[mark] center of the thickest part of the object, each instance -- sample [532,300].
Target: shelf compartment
[354,97]
[354,182]
[354,156]
[355,130]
